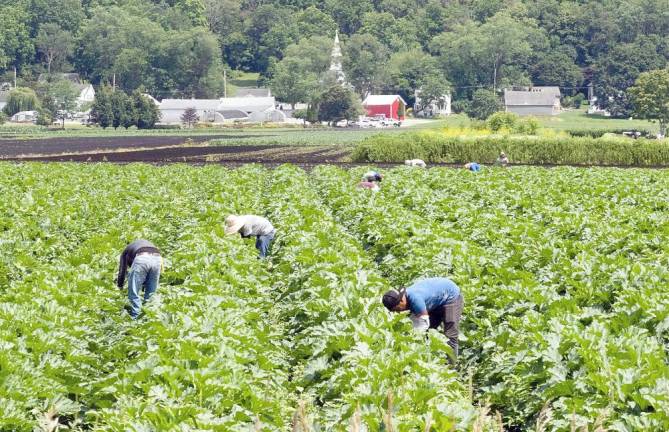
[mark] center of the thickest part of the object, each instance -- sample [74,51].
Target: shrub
[44,118]
[502,120]
[484,104]
[527,126]
[3,117]
[460,106]
[506,121]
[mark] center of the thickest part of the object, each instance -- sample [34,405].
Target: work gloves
[420,323]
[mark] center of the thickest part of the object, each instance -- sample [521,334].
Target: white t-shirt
[255,226]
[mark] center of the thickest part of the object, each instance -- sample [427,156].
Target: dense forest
[182,47]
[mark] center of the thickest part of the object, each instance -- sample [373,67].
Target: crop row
[352,352]
[563,273]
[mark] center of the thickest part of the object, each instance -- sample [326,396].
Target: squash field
[565,275]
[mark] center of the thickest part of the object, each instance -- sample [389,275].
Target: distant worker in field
[502,160]
[371,180]
[473,166]
[432,302]
[415,163]
[145,264]
[250,226]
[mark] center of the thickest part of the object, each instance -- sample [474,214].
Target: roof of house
[253,92]
[530,98]
[201,104]
[246,104]
[233,114]
[382,99]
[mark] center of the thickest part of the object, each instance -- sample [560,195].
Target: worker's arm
[419,315]
[245,231]
[122,267]
[421,322]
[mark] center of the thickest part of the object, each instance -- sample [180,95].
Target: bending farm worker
[473,166]
[432,302]
[502,160]
[145,264]
[415,163]
[372,176]
[251,225]
[371,180]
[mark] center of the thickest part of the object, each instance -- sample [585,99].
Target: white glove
[420,323]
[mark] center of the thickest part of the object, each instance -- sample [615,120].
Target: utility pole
[114,82]
[225,83]
[14,76]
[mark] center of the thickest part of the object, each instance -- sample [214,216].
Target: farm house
[392,106]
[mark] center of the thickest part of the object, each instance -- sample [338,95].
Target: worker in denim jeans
[432,302]
[145,264]
[251,225]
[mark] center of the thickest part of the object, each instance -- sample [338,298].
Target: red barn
[392,106]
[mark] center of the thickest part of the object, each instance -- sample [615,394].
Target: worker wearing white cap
[251,225]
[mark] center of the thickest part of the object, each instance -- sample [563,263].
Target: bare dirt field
[19,149]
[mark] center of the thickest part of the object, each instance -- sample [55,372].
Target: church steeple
[335,63]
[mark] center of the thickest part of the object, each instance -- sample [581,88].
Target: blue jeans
[263,242]
[144,273]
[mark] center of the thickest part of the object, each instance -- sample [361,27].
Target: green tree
[195,10]
[556,68]
[21,99]
[348,13]
[64,14]
[407,71]
[133,70]
[338,103]
[617,70]
[488,53]
[484,104]
[62,96]
[121,109]
[313,22]
[313,52]
[102,112]
[224,17]
[55,45]
[112,30]
[192,61]
[16,48]
[432,89]
[146,112]
[387,30]
[650,97]
[365,59]
[292,82]
[189,117]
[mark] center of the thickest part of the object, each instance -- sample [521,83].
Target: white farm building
[533,101]
[254,109]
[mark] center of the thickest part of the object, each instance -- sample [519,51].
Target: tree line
[180,48]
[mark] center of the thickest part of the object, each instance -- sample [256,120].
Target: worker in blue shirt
[473,166]
[432,302]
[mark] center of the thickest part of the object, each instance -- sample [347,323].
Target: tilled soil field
[46,147]
[232,155]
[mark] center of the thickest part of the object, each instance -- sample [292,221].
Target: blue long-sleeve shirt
[429,294]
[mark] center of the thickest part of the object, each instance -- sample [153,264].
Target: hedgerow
[434,147]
